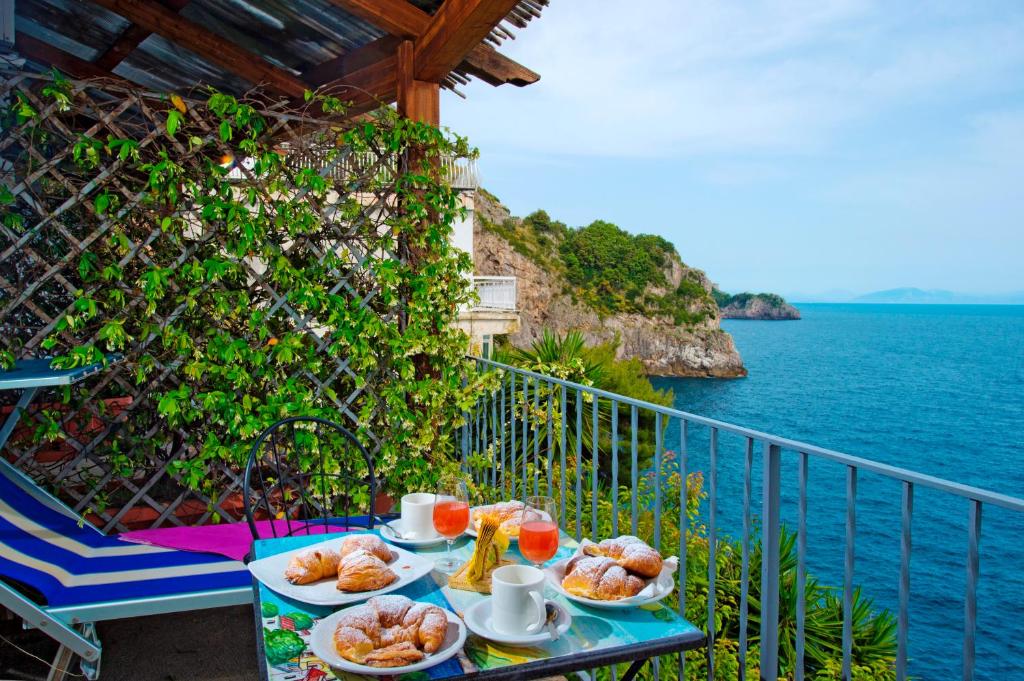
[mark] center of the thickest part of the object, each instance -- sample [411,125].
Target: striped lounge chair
[61,575]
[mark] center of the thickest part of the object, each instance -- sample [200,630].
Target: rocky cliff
[767,306]
[676,342]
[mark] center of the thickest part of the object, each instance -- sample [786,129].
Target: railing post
[770,563]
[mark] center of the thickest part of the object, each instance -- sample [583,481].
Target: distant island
[910,295]
[767,306]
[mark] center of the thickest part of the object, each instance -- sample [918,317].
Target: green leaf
[101,203]
[173,121]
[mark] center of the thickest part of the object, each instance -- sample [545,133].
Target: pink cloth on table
[230,539]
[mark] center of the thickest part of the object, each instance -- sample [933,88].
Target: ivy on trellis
[252,261]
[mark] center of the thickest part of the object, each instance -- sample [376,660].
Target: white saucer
[388,533]
[478,619]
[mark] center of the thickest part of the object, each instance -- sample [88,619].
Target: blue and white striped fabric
[71,563]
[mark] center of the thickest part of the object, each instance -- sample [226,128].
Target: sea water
[937,389]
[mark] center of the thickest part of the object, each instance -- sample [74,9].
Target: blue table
[597,637]
[29,376]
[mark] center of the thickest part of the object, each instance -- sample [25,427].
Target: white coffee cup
[418,515]
[517,600]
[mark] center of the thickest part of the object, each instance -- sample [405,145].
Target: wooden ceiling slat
[132,37]
[456,28]
[158,19]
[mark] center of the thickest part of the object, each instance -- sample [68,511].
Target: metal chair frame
[314,511]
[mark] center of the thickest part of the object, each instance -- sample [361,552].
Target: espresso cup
[418,515]
[517,600]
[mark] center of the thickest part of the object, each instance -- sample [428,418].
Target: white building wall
[462,234]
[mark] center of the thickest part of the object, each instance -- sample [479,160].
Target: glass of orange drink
[538,531]
[451,518]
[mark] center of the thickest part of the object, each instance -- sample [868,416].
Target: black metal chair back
[308,474]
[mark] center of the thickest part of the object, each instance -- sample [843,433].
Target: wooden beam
[370,87]
[357,60]
[208,45]
[494,68]
[131,38]
[398,17]
[365,76]
[47,54]
[403,19]
[455,29]
[417,100]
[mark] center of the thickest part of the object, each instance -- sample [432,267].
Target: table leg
[634,669]
[12,419]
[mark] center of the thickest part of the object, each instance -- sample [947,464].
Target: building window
[487,346]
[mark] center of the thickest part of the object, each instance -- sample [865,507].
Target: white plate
[656,589]
[478,619]
[321,642]
[388,533]
[471,530]
[270,571]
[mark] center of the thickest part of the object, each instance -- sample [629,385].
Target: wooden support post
[417,100]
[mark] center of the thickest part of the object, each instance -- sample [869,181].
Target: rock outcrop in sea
[547,299]
[767,306]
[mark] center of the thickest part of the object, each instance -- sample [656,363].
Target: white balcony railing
[460,173]
[495,293]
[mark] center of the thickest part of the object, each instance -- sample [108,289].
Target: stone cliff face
[545,301]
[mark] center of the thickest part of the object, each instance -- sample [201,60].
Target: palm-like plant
[874,631]
[568,358]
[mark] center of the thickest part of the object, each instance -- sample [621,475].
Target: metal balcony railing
[526,450]
[495,293]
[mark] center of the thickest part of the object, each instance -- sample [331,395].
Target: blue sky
[798,147]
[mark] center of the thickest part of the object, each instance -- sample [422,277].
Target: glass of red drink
[451,518]
[538,532]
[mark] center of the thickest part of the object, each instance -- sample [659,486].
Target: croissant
[312,565]
[508,513]
[631,553]
[368,542]
[363,571]
[390,631]
[600,578]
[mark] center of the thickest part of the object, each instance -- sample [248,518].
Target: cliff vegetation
[632,292]
[610,270]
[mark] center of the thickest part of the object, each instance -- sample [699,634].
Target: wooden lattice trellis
[52,222]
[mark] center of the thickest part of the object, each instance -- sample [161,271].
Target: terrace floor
[212,645]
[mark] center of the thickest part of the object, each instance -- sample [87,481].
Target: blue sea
[934,388]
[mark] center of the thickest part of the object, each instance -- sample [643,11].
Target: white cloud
[668,78]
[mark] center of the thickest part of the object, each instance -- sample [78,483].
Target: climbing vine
[249,263]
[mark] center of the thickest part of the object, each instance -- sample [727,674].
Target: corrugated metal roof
[80,28]
[295,35]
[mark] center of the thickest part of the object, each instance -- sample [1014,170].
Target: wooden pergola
[373,51]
